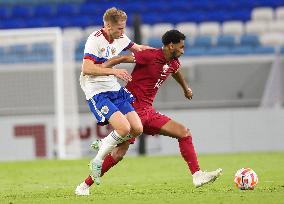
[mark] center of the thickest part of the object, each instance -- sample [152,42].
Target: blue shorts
[103,105]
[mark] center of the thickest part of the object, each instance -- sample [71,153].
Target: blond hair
[114,15]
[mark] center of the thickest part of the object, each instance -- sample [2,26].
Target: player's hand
[122,74]
[188,93]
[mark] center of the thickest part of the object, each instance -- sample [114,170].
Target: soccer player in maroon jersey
[153,66]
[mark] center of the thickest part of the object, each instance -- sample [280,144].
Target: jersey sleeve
[175,64]
[142,57]
[92,49]
[127,42]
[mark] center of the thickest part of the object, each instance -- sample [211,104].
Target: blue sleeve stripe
[94,58]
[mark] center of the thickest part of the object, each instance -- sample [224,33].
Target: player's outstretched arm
[181,81]
[89,68]
[137,47]
[118,59]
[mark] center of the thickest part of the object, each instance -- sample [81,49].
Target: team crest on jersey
[113,51]
[105,110]
[101,52]
[165,68]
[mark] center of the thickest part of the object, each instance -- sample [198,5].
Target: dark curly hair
[172,36]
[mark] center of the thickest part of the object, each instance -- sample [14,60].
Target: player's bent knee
[123,130]
[136,131]
[184,132]
[188,132]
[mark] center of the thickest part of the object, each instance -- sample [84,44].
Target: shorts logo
[104,110]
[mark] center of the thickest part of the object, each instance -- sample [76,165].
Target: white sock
[84,185]
[127,137]
[108,144]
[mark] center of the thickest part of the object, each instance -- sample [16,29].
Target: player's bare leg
[136,129]
[110,160]
[135,125]
[183,134]
[116,155]
[121,129]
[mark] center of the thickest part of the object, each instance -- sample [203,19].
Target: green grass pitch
[152,180]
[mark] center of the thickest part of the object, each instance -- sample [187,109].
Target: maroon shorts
[152,121]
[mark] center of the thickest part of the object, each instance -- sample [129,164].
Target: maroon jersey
[150,71]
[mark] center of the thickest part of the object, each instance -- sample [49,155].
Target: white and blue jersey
[103,93]
[99,49]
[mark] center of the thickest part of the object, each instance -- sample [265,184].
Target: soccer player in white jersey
[108,101]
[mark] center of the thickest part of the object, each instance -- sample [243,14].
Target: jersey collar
[106,36]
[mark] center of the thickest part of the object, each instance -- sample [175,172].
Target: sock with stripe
[108,144]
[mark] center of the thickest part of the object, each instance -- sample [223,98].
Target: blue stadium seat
[196,16]
[271,3]
[282,50]
[202,41]
[174,17]
[219,15]
[90,9]
[277,3]
[2,51]
[2,26]
[41,47]
[79,56]
[264,50]
[7,59]
[45,11]
[39,57]
[79,50]
[242,50]
[59,21]
[203,5]
[249,40]
[40,52]
[36,22]
[226,40]
[240,15]
[22,11]
[13,23]
[134,7]
[169,11]
[5,12]
[248,4]
[85,21]
[195,51]
[155,42]
[182,6]
[18,49]
[18,52]
[218,50]
[227,5]
[68,9]
[151,18]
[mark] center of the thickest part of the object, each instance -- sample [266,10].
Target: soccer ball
[245,179]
